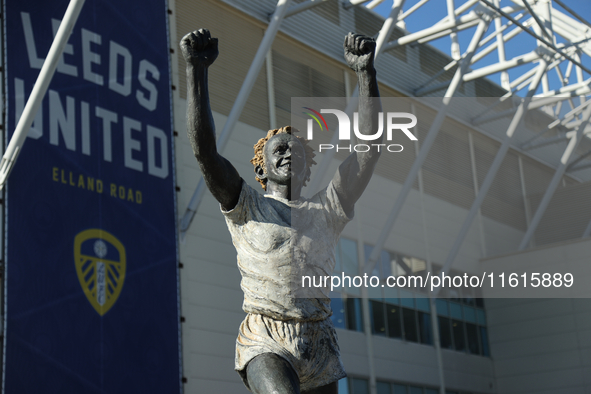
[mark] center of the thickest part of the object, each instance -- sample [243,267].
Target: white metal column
[34,102]
[429,140]
[383,36]
[432,299]
[575,138]
[492,172]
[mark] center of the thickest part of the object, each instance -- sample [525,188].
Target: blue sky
[435,10]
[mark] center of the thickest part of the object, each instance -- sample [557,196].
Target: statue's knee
[270,373]
[331,388]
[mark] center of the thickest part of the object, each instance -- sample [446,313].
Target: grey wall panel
[541,345]
[565,381]
[210,319]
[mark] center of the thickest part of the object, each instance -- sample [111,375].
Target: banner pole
[34,102]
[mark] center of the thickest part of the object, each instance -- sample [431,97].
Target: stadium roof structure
[561,44]
[555,53]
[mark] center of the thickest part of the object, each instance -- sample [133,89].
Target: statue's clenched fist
[199,48]
[359,51]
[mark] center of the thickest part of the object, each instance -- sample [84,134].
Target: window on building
[338,311]
[358,386]
[383,388]
[347,258]
[398,388]
[472,339]
[346,307]
[409,318]
[378,318]
[457,329]
[484,342]
[354,314]
[346,312]
[445,336]
[425,329]
[400,313]
[415,390]
[344,386]
[462,325]
[394,320]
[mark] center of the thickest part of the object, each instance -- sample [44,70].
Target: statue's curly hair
[259,147]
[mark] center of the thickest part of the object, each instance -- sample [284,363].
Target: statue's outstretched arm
[355,172]
[200,50]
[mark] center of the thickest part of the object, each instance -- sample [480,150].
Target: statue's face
[285,160]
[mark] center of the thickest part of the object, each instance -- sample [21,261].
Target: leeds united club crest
[100,265]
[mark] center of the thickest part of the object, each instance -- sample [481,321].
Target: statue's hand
[199,48]
[359,51]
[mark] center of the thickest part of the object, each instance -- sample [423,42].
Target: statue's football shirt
[280,241]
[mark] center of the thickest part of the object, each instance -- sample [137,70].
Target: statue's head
[283,157]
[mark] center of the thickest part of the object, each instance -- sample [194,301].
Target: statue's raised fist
[359,51]
[199,48]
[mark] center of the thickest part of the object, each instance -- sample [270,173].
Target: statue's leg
[270,373]
[331,388]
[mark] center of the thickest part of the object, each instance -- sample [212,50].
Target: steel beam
[432,302]
[572,166]
[412,9]
[565,89]
[541,26]
[383,35]
[374,3]
[475,183]
[587,231]
[501,48]
[502,66]
[410,38]
[271,90]
[351,3]
[459,11]
[455,45]
[575,139]
[429,140]
[482,53]
[540,102]
[537,37]
[500,37]
[580,18]
[547,141]
[483,119]
[580,167]
[492,172]
[562,122]
[247,85]
[447,32]
[484,71]
[515,87]
[39,89]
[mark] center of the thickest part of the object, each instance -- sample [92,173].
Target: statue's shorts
[309,346]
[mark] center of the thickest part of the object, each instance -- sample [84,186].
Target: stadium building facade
[491,345]
[388,344]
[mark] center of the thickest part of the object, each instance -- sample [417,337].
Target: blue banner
[90,234]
